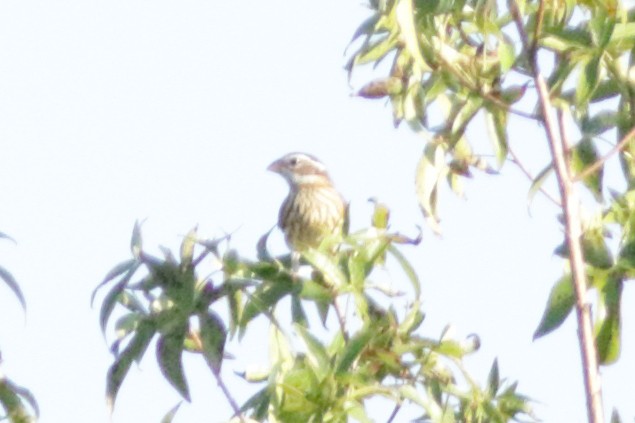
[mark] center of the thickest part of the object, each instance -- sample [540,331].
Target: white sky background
[171,111]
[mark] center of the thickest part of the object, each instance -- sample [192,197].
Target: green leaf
[412,320]
[376,50]
[538,182]
[497,124]
[605,90]
[127,323]
[608,332]
[13,286]
[602,27]
[5,236]
[493,379]
[265,297]
[506,54]
[316,351]
[615,416]
[588,82]
[585,154]
[187,248]
[430,171]
[357,411]
[261,248]
[169,352]
[169,416]
[12,399]
[413,107]
[627,255]
[451,348]
[122,267]
[381,215]
[461,120]
[326,264]
[608,339]
[623,34]
[133,352]
[357,271]
[397,109]
[406,19]
[236,308]
[600,123]
[114,296]
[312,290]
[367,27]
[259,403]
[178,285]
[560,303]
[109,303]
[323,308]
[213,337]
[354,348]
[407,268]
[595,250]
[136,241]
[570,37]
[297,311]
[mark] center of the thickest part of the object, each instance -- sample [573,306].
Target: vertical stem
[559,147]
[573,231]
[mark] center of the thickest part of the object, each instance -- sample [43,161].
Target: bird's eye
[293,161]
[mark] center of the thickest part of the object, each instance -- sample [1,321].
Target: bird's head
[301,169]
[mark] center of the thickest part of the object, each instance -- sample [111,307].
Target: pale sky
[171,111]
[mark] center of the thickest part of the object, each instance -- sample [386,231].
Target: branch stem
[232,402]
[516,160]
[600,162]
[559,141]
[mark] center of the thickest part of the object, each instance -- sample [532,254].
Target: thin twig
[598,164]
[539,18]
[573,231]
[341,319]
[518,20]
[500,103]
[394,413]
[268,313]
[232,402]
[524,170]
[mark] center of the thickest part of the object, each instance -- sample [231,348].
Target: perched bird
[314,209]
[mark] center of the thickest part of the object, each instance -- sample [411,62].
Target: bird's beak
[275,166]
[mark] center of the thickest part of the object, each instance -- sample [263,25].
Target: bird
[313,210]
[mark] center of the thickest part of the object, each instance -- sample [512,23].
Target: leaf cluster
[371,348]
[17,402]
[455,60]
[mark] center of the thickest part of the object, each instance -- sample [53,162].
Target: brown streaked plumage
[313,209]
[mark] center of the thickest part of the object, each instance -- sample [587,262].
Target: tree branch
[232,402]
[524,170]
[573,231]
[600,162]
